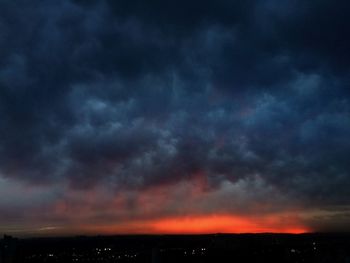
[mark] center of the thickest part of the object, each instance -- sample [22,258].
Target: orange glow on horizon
[221,224]
[206,224]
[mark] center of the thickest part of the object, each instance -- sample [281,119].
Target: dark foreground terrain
[201,248]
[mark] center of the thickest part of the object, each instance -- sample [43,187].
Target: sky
[156,117]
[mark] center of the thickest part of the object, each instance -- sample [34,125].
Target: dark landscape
[179,248]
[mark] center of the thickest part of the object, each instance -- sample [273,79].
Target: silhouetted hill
[179,248]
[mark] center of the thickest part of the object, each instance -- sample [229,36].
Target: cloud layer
[237,107]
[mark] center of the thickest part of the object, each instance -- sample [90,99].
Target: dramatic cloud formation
[125,116]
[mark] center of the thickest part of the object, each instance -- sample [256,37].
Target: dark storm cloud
[142,93]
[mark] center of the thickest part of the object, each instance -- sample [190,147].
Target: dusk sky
[135,116]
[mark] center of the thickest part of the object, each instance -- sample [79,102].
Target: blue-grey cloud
[138,94]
